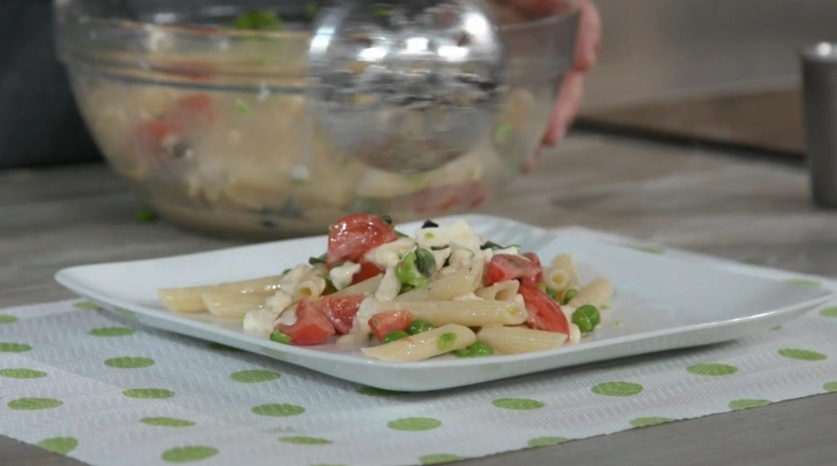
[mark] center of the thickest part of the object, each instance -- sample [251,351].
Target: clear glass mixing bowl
[211,128]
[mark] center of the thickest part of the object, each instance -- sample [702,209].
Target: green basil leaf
[425,262]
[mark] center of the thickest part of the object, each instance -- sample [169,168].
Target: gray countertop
[750,210]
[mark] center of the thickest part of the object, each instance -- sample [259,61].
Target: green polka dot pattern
[188,454]
[712,369]
[75,383]
[414,424]
[22,373]
[617,389]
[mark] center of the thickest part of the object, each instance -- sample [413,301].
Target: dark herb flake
[317,260]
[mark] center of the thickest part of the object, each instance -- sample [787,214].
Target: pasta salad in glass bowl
[401,298]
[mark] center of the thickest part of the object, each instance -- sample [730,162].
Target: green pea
[280,337]
[480,349]
[394,336]
[446,341]
[569,295]
[416,268]
[592,313]
[586,318]
[475,350]
[419,325]
[582,321]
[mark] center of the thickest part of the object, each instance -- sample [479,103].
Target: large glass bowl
[211,127]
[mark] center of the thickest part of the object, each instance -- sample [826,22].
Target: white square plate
[660,303]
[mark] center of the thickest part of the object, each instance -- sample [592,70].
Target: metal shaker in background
[819,87]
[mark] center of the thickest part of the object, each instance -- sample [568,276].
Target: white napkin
[86,384]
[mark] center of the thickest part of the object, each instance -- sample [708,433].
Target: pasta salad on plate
[443,290]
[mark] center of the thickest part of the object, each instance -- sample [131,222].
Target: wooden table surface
[743,208]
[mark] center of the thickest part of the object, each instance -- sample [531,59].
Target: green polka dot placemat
[106,391]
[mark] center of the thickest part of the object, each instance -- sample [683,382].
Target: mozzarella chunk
[441,256]
[341,276]
[489,253]
[458,235]
[288,316]
[368,308]
[461,258]
[259,322]
[389,287]
[389,254]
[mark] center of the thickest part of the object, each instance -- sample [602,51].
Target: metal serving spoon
[406,86]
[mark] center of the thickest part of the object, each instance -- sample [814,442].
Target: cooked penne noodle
[292,278]
[556,279]
[566,263]
[502,291]
[231,305]
[188,299]
[425,345]
[311,286]
[517,340]
[365,287]
[459,283]
[471,313]
[598,293]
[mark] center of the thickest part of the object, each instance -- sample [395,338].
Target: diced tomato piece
[353,235]
[385,322]
[341,310]
[504,267]
[367,271]
[150,135]
[544,313]
[536,261]
[312,327]
[192,111]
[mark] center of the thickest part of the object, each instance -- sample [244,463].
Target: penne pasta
[503,291]
[517,340]
[292,278]
[459,283]
[189,299]
[598,293]
[231,305]
[311,286]
[556,279]
[566,263]
[424,345]
[471,313]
